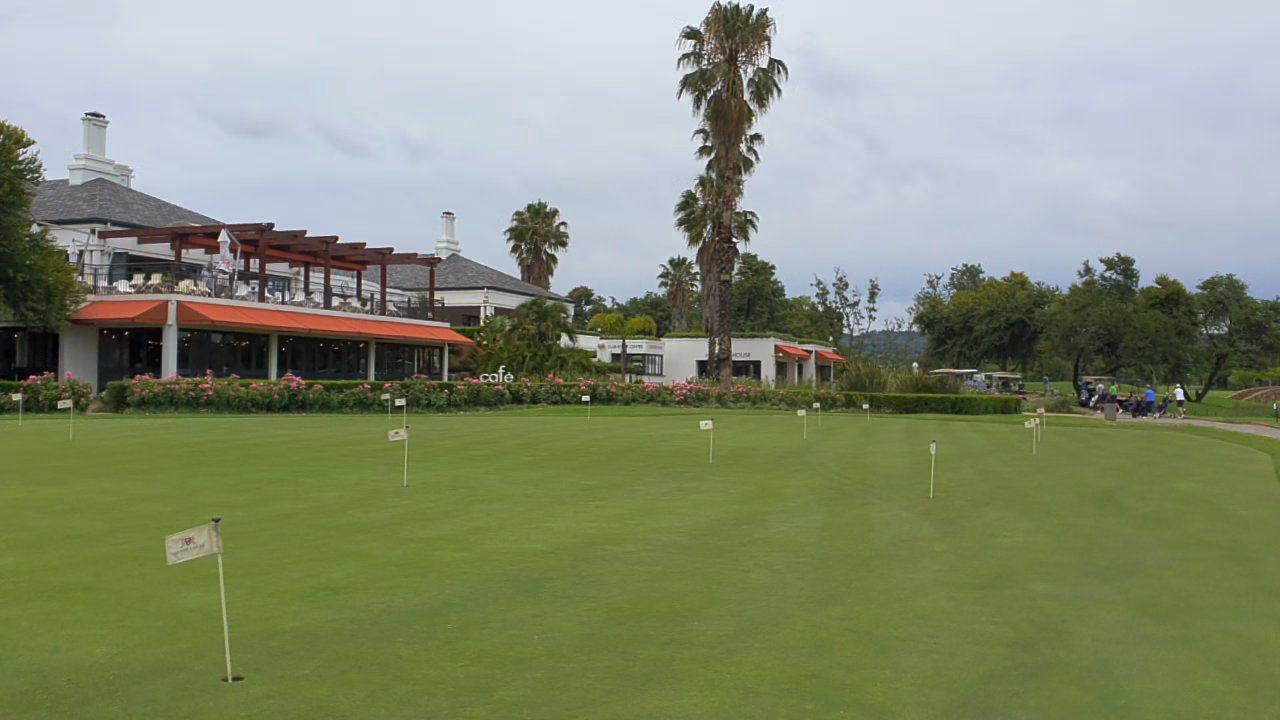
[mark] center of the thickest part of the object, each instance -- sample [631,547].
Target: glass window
[224,353]
[398,362]
[639,364]
[125,353]
[323,359]
[24,353]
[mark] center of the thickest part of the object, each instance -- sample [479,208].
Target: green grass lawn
[543,566]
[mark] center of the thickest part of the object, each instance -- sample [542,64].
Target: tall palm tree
[731,79]
[536,234]
[697,216]
[680,281]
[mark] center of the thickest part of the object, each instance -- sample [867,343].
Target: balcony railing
[166,277]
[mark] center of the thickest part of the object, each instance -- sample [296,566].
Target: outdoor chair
[138,282]
[122,287]
[186,287]
[155,283]
[243,291]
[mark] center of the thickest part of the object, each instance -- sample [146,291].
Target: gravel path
[1270,431]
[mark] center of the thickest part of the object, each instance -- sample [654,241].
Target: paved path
[1270,431]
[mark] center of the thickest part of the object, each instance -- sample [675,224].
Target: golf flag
[817,406]
[64,404]
[385,396]
[866,406]
[16,397]
[705,425]
[801,413]
[1029,424]
[933,447]
[398,434]
[586,398]
[192,544]
[400,402]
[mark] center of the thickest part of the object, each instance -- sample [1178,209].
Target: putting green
[544,566]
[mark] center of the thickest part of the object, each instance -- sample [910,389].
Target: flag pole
[933,461]
[711,452]
[71,420]
[222,593]
[405,423]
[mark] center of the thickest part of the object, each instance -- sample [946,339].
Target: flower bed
[41,393]
[293,394]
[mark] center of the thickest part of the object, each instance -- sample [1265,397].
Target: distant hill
[899,343]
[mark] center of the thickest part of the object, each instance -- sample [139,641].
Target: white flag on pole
[586,398]
[385,396]
[801,413]
[16,397]
[64,404]
[933,447]
[194,543]
[817,406]
[866,406]
[1029,424]
[398,434]
[705,425]
[400,402]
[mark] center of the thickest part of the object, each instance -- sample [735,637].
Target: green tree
[640,326]
[805,318]
[678,278]
[651,304]
[731,79]
[37,285]
[586,304]
[999,320]
[1233,325]
[609,323]
[1164,342]
[536,234]
[759,297]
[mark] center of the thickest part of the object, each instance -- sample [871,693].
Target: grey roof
[103,201]
[460,273]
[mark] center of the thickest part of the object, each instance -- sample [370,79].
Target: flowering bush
[41,393]
[293,394]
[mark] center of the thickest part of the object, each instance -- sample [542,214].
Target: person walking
[1180,396]
[1151,401]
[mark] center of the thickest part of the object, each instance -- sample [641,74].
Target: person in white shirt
[1181,396]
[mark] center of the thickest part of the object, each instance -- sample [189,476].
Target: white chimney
[448,242]
[93,162]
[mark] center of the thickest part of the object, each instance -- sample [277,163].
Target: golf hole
[234,679]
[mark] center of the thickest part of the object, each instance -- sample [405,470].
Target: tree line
[1107,322]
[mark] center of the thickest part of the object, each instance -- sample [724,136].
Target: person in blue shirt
[1151,399]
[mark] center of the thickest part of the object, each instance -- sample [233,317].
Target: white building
[167,296]
[772,361]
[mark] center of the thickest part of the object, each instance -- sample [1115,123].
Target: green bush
[42,393]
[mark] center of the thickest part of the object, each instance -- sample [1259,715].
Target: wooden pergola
[263,243]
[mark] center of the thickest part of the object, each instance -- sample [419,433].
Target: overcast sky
[912,136]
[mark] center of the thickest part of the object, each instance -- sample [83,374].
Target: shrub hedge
[42,393]
[292,394]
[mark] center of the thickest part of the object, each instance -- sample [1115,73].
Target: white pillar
[444,367]
[169,343]
[273,357]
[373,356]
[812,364]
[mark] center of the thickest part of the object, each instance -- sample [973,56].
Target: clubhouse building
[175,292]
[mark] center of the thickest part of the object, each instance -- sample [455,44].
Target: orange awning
[194,314]
[788,351]
[122,312]
[829,356]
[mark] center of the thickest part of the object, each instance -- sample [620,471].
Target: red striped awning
[829,356]
[132,313]
[788,351]
[232,317]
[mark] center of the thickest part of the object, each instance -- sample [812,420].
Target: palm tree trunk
[708,266]
[725,252]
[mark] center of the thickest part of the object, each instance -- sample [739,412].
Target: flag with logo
[192,544]
[64,404]
[398,434]
[705,425]
[801,413]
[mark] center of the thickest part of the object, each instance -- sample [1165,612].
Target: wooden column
[359,285]
[306,280]
[382,304]
[262,271]
[431,292]
[328,278]
[177,254]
